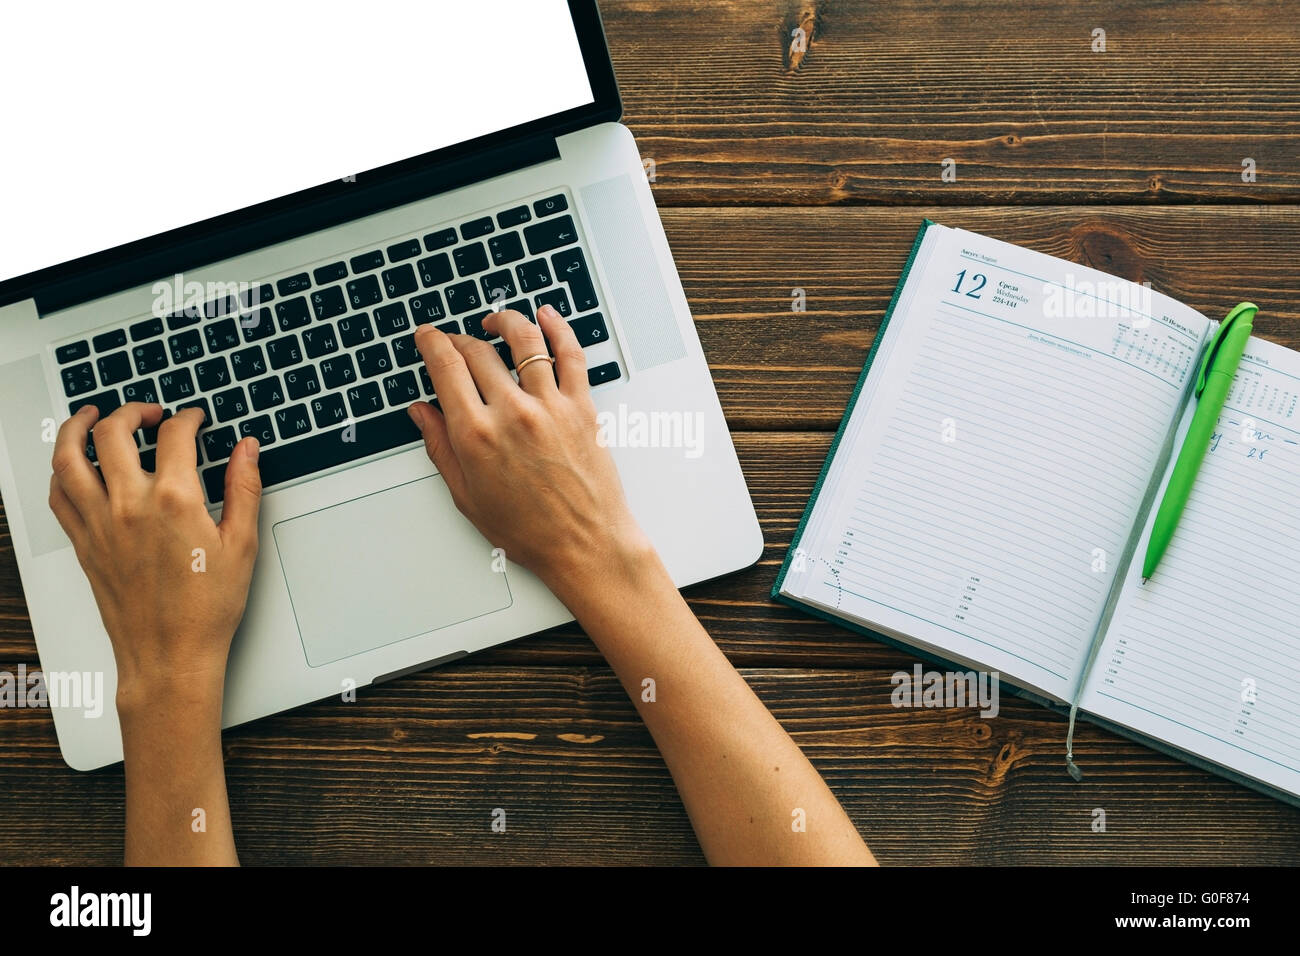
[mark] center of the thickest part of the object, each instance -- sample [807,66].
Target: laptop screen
[194,110]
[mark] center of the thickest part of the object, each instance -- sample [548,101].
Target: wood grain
[1013,92]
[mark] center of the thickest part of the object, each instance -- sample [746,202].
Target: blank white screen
[123,120]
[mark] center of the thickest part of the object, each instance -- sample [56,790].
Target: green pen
[1212,384]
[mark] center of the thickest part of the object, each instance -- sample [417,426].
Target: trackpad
[385,568]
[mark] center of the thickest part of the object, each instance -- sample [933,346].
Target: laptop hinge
[348,201]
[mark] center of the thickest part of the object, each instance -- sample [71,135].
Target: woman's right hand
[521,459]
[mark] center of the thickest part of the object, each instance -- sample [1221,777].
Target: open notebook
[989,495]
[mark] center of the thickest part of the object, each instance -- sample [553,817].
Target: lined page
[996,461]
[1205,655]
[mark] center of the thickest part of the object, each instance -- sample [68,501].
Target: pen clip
[1212,352]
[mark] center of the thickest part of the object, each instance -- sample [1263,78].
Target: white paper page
[995,468]
[1206,654]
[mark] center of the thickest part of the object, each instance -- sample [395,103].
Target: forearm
[177,812]
[752,796]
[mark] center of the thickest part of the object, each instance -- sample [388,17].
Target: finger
[119,455]
[452,381]
[525,341]
[177,452]
[494,381]
[438,445]
[66,512]
[243,501]
[570,362]
[73,470]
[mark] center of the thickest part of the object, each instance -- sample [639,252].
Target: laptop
[258,226]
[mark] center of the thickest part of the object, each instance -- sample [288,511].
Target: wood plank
[411,774]
[1013,92]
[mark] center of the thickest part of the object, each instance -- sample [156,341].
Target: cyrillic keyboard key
[142,391]
[404,351]
[266,393]
[302,382]
[356,330]
[426,307]
[391,319]
[556,299]
[176,385]
[498,287]
[260,428]
[292,421]
[230,404]
[284,352]
[248,363]
[319,341]
[533,275]
[219,443]
[374,360]
[401,389]
[463,297]
[338,371]
[329,410]
[364,399]
[324,450]
[212,374]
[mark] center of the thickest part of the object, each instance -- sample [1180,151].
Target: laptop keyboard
[320,364]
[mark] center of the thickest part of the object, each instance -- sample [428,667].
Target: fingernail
[416,416]
[254,449]
[549,311]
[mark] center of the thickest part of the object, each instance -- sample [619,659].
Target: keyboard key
[116,367]
[356,330]
[426,307]
[151,434]
[230,404]
[220,306]
[470,260]
[292,422]
[338,371]
[302,382]
[400,281]
[266,393]
[602,374]
[197,403]
[374,360]
[71,352]
[364,399]
[176,385]
[435,270]
[107,403]
[251,298]
[404,250]
[476,228]
[503,349]
[506,249]
[550,234]
[324,450]
[319,341]
[556,299]
[260,428]
[219,443]
[292,314]
[513,217]
[404,351]
[328,303]
[146,329]
[474,327]
[498,287]
[366,261]
[212,374]
[426,383]
[534,275]
[334,272]
[524,306]
[183,319]
[550,205]
[294,284]
[449,328]
[439,240]
[463,297]
[149,460]
[149,357]
[391,319]
[248,363]
[79,379]
[328,410]
[222,335]
[401,389]
[571,267]
[107,341]
[590,330]
[185,346]
[284,352]
[257,325]
[142,391]
[364,292]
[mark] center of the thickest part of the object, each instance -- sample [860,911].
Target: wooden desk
[774,176]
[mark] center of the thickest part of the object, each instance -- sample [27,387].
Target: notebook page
[1205,655]
[994,466]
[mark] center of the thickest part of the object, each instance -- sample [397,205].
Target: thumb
[243,498]
[437,444]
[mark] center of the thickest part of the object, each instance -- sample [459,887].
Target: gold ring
[533,358]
